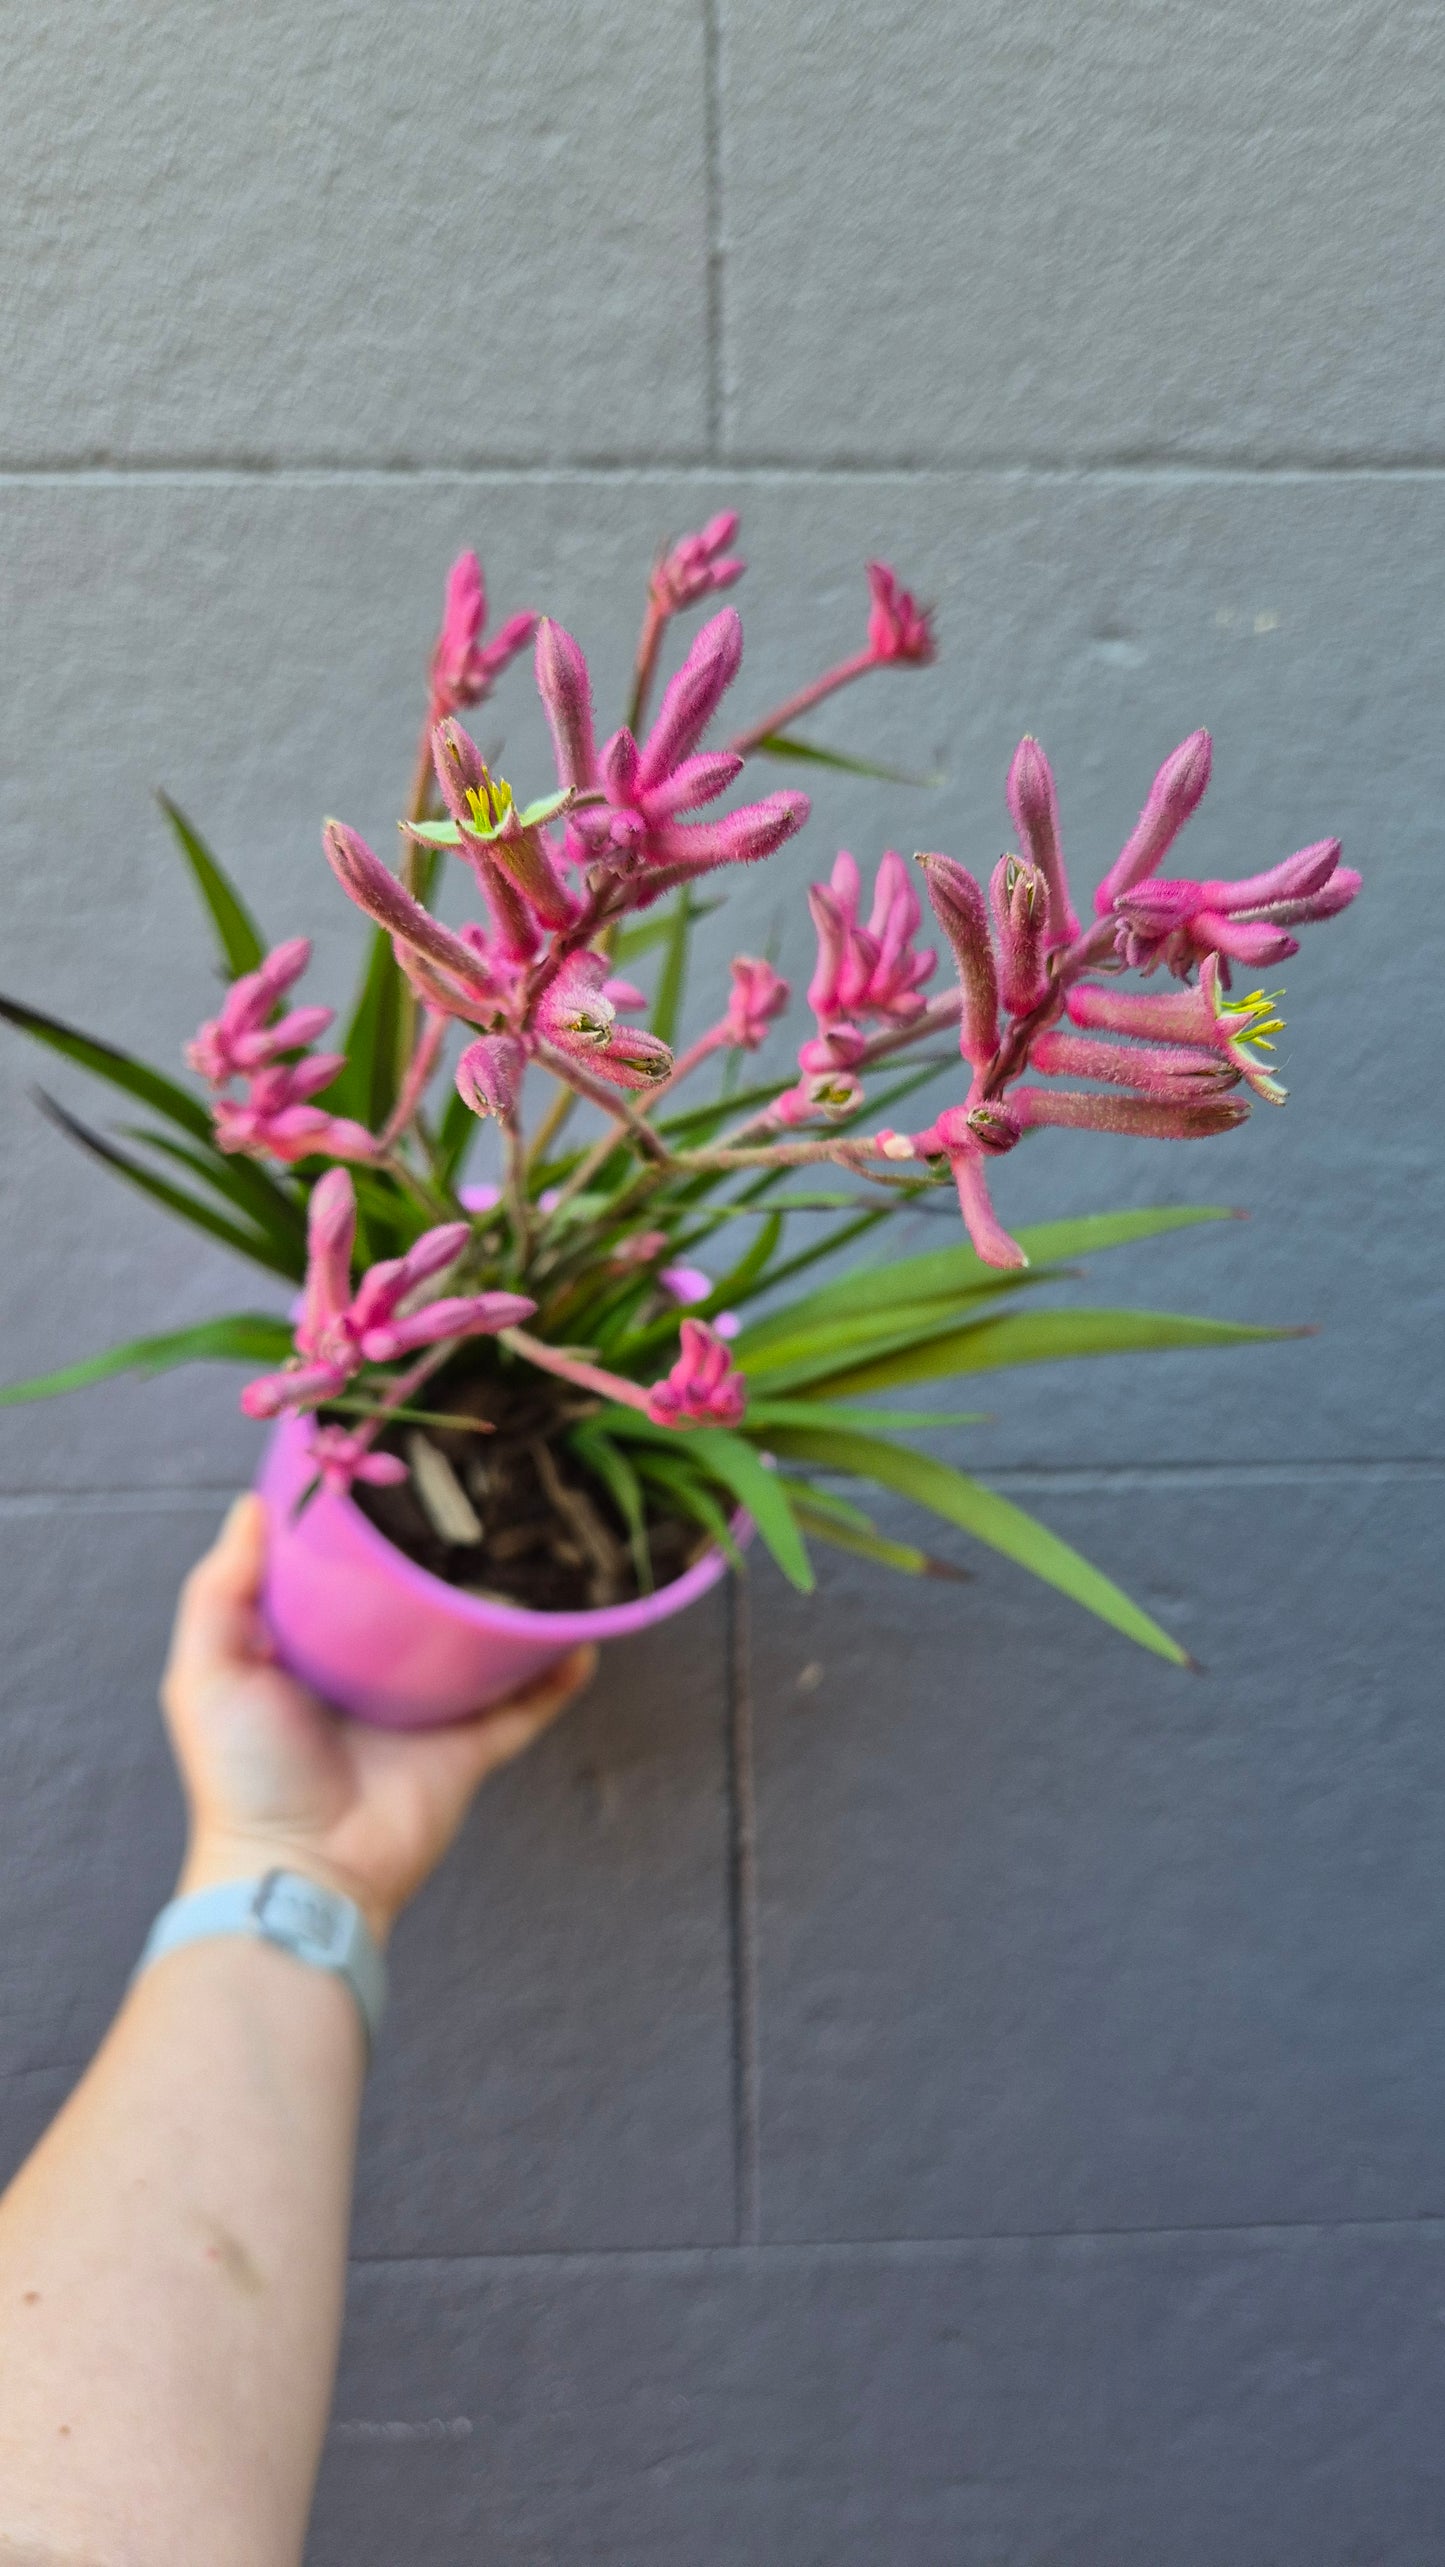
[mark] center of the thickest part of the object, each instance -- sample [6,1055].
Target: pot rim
[568,1630]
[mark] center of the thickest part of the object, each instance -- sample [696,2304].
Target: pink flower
[509,856]
[1019,897]
[464,668]
[959,907]
[636,829]
[489,1075]
[342,1454]
[277,1120]
[872,970]
[686,1283]
[453,971]
[703,1387]
[1174,797]
[758,995]
[1233,1030]
[1034,809]
[339,1331]
[1179,923]
[898,627]
[575,1014]
[247,1034]
[697,566]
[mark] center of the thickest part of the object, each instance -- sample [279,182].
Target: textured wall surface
[900,2078]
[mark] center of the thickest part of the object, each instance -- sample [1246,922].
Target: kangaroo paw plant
[538,1384]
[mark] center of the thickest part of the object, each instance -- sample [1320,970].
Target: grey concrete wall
[900,2078]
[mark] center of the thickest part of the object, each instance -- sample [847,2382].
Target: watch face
[301,1911]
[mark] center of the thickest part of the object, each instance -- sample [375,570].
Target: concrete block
[1012,234]
[557,2066]
[1052,1937]
[1116,2402]
[354,236]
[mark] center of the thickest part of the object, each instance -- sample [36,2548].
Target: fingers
[495,1737]
[216,1618]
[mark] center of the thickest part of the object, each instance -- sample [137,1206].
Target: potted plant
[516,1410]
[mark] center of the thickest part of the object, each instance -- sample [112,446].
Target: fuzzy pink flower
[1034,809]
[898,627]
[872,970]
[1234,1030]
[277,1120]
[247,1034]
[962,913]
[697,566]
[704,1388]
[1249,921]
[1173,798]
[342,1454]
[464,668]
[575,1014]
[636,830]
[759,994]
[339,1331]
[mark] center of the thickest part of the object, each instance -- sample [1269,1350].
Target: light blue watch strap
[294,1913]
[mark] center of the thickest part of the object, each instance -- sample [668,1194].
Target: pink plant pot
[387,1642]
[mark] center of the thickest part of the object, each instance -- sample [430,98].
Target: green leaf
[241,942]
[629,942]
[1041,1337]
[248,1337]
[600,1455]
[366,1088]
[785,744]
[247,1243]
[990,1518]
[240,1182]
[103,1060]
[672,978]
[822,1348]
[867,1544]
[763,1413]
[692,1497]
[726,1457]
[457,1132]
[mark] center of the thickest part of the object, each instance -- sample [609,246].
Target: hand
[272,1777]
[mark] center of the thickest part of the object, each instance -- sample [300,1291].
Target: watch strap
[298,1915]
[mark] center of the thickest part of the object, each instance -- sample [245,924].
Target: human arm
[172,2256]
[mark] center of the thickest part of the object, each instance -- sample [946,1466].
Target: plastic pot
[387,1642]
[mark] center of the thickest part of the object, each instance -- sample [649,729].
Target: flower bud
[958,905]
[1019,896]
[1034,804]
[566,692]
[1174,797]
[489,1075]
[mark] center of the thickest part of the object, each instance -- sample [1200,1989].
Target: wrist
[215,1854]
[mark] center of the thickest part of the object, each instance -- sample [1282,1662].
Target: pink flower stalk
[636,831]
[247,1034]
[1179,923]
[464,668]
[342,1454]
[900,635]
[339,1331]
[577,1017]
[1019,897]
[276,1120]
[1238,1030]
[704,1388]
[959,906]
[898,627]
[1034,806]
[697,566]
[1174,797]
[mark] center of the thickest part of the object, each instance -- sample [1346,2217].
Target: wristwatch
[296,1914]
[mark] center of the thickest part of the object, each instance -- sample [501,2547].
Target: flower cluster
[1048,1035]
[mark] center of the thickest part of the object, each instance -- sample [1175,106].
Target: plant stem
[514,1188]
[572,1368]
[598,1093]
[654,625]
[551,1124]
[803,702]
